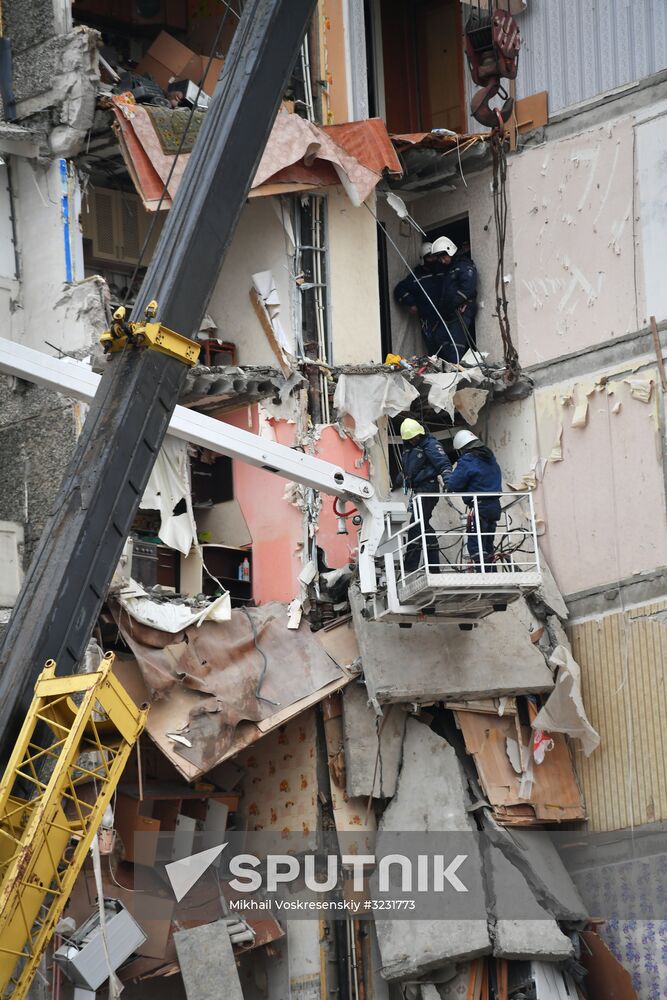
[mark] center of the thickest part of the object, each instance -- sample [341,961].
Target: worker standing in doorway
[477,471]
[424,459]
[444,295]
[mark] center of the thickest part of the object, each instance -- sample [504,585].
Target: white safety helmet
[426,249]
[462,438]
[443,245]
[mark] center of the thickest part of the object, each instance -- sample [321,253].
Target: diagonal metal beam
[82,541]
[78,381]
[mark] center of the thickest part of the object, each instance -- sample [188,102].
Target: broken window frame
[311,266]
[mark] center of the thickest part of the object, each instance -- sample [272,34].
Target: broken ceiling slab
[373,744]
[428,663]
[533,852]
[207,962]
[226,386]
[19,140]
[437,804]
[523,929]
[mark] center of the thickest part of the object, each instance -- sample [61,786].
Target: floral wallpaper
[632,897]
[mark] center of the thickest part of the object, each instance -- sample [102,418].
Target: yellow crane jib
[46,835]
[149,334]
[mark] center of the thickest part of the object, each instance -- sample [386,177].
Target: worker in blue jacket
[477,471]
[444,296]
[424,459]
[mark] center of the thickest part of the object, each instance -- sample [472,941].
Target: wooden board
[606,979]
[531,112]
[265,322]
[555,798]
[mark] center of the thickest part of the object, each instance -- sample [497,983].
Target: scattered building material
[564,710]
[553,794]
[439,804]
[373,744]
[207,962]
[350,813]
[260,304]
[445,663]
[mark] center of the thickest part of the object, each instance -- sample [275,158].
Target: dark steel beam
[81,544]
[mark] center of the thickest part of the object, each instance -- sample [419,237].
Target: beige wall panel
[572,212]
[623,660]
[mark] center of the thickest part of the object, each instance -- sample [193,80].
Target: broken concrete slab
[372,764]
[428,663]
[523,929]
[438,804]
[533,852]
[548,599]
[207,962]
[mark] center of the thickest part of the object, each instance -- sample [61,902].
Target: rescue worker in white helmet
[477,471]
[424,459]
[444,298]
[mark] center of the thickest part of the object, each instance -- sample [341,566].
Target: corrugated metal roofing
[624,685]
[576,49]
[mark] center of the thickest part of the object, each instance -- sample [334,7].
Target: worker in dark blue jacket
[424,459]
[444,296]
[477,471]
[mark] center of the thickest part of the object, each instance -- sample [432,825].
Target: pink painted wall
[275,525]
[339,549]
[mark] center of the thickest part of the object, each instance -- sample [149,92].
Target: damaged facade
[278,705]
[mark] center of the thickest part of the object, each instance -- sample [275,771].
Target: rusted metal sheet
[204,682]
[622,658]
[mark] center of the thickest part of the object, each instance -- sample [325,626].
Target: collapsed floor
[368,733]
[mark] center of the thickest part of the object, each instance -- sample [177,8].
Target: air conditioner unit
[82,957]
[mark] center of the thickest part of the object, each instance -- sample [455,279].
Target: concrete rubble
[534,854]
[207,962]
[438,804]
[521,928]
[373,745]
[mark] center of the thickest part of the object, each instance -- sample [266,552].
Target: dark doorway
[422,53]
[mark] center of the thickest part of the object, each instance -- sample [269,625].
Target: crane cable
[499,189]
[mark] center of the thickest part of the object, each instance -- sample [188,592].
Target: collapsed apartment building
[278,703]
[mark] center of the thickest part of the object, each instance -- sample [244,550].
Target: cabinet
[222,563]
[117,224]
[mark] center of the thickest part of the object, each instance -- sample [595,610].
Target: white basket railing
[447,534]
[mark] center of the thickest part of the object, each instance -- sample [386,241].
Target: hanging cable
[500,219]
[265,662]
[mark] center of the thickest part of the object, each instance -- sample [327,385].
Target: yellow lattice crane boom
[69,780]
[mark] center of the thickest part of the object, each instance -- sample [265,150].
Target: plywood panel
[623,660]
[555,796]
